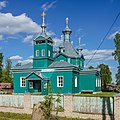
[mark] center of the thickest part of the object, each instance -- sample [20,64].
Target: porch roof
[35,76]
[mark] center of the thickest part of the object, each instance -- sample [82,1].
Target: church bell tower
[43,48]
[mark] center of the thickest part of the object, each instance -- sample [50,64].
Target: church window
[22,82]
[31,85]
[75,81]
[49,53]
[60,81]
[37,52]
[40,41]
[69,60]
[45,85]
[43,52]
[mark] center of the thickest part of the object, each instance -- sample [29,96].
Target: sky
[89,20]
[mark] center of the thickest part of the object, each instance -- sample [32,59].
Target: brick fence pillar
[117,107]
[27,104]
[68,99]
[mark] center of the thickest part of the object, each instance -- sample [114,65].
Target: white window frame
[76,81]
[96,82]
[37,53]
[22,82]
[45,85]
[59,83]
[49,53]
[31,85]
[68,60]
[42,52]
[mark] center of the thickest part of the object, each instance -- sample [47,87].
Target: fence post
[68,99]
[27,103]
[117,107]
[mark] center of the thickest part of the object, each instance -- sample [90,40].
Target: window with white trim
[45,85]
[31,85]
[75,81]
[69,60]
[22,82]
[37,52]
[43,52]
[49,53]
[96,82]
[100,82]
[60,81]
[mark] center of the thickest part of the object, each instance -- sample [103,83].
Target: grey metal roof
[28,65]
[69,50]
[60,64]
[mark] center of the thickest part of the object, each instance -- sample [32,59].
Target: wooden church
[64,69]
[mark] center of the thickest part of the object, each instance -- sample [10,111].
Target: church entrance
[34,86]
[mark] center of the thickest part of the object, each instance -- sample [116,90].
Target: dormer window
[40,41]
[37,52]
[43,52]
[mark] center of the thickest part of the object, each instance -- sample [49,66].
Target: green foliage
[1,65]
[7,75]
[18,64]
[101,94]
[118,76]
[117,46]
[105,75]
[14,116]
[117,56]
[49,102]
[90,67]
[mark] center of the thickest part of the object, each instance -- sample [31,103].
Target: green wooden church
[63,68]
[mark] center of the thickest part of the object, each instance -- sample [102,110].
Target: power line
[104,38]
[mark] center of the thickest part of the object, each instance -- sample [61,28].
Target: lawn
[15,116]
[101,94]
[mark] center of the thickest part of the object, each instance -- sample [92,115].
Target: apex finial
[43,14]
[79,41]
[43,26]
[67,21]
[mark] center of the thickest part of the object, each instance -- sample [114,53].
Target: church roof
[60,64]
[69,50]
[28,65]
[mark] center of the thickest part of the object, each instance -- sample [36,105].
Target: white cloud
[112,36]
[47,6]
[13,25]
[3,4]
[31,57]
[25,61]
[16,57]
[1,37]
[100,55]
[57,42]
[10,24]
[28,39]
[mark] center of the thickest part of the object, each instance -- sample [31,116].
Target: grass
[101,94]
[16,116]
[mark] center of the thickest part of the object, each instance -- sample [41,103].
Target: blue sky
[90,20]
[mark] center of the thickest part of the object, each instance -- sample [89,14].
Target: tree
[117,46]
[105,75]
[7,75]
[1,65]
[90,67]
[116,55]
[18,64]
